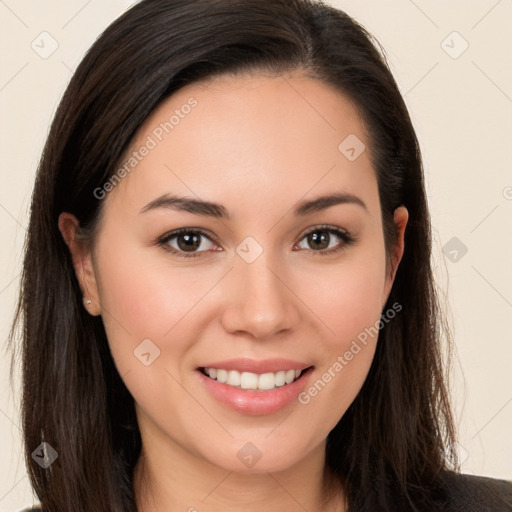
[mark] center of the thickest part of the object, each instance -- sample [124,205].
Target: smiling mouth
[253,381]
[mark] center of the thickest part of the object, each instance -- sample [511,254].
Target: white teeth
[290,376]
[267,381]
[280,378]
[233,378]
[248,380]
[222,375]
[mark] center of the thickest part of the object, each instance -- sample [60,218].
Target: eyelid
[325,227]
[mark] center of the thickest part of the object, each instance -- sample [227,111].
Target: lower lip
[256,403]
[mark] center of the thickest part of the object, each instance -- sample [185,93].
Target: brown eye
[187,242]
[319,239]
[322,240]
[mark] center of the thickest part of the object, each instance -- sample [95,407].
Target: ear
[400,218]
[82,262]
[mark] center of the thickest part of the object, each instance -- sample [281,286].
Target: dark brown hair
[393,444]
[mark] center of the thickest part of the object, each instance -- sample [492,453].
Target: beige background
[461,105]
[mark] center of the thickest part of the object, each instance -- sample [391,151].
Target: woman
[227,296]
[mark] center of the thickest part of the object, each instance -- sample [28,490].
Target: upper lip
[257,365]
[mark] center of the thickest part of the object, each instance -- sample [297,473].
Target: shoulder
[477,493]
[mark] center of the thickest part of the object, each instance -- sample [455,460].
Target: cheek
[346,355]
[347,301]
[143,298]
[347,297]
[151,299]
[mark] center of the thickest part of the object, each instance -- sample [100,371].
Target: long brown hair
[391,447]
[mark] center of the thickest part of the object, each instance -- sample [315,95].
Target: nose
[259,301]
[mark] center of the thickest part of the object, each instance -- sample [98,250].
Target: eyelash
[345,236]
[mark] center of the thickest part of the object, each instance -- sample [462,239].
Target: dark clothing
[472,493]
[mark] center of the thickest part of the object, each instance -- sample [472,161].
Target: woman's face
[269,281]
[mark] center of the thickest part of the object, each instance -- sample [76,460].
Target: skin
[256,145]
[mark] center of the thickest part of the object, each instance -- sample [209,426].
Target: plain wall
[461,105]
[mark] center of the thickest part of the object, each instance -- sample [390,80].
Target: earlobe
[82,262]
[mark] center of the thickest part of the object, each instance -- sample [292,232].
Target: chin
[257,457]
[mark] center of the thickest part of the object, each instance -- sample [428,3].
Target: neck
[167,477]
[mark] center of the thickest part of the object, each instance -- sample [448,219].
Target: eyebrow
[209,209]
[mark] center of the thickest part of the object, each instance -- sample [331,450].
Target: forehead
[256,137]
